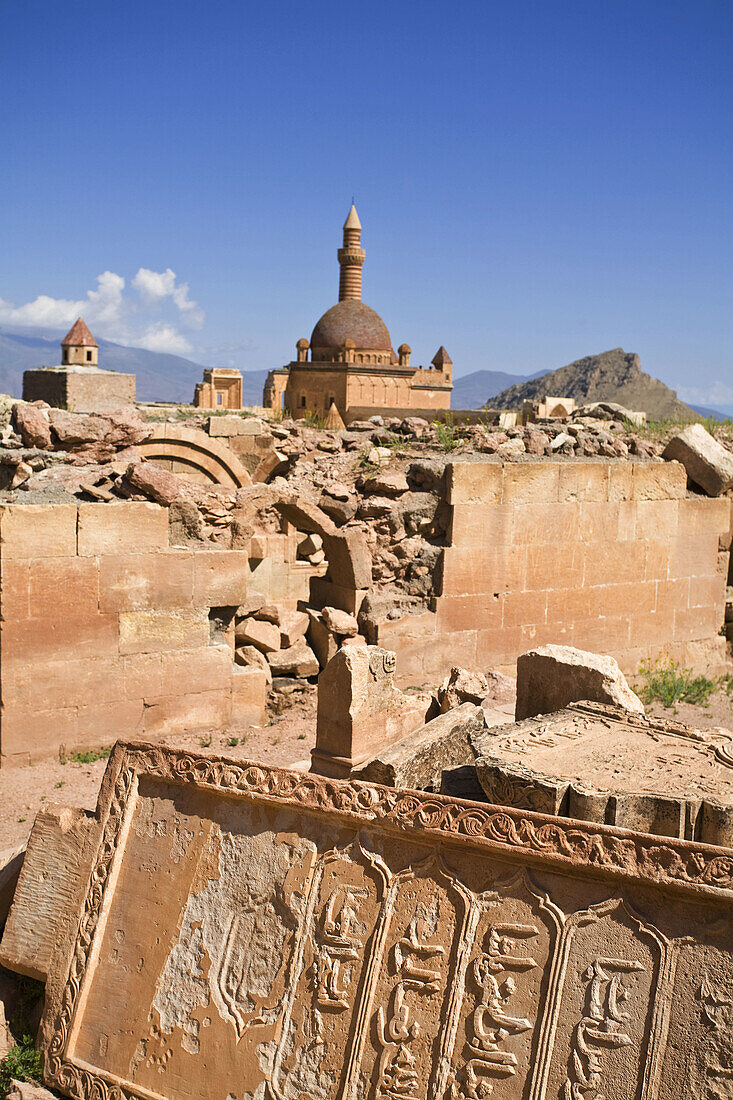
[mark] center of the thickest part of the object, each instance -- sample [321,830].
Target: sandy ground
[286,740]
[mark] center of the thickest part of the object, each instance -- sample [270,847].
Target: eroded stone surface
[599,763]
[552,676]
[291,936]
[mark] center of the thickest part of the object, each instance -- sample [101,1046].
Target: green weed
[21,1063]
[669,684]
[204,742]
[313,420]
[91,756]
[449,438]
[232,742]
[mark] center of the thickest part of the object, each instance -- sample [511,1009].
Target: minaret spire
[351,257]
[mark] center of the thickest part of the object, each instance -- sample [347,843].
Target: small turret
[79,346]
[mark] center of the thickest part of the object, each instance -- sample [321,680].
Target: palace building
[349,361]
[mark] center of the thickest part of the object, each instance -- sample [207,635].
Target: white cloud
[156,286]
[102,306]
[110,313]
[163,337]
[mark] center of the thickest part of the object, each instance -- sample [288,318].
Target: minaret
[351,257]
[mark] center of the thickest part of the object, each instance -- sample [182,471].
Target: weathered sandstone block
[418,760]
[297,660]
[340,622]
[122,527]
[364,936]
[360,711]
[261,634]
[601,763]
[552,676]
[708,463]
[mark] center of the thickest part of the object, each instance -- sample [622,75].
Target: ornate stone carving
[344,940]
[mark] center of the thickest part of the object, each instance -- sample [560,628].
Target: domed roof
[351,319]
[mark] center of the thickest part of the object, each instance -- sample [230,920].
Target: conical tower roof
[79,336]
[352,221]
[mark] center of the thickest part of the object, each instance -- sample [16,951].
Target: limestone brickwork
[352,362]
[612,557]
[107,631]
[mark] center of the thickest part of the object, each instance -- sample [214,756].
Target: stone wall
[80,389]
[613,557]
[106,631]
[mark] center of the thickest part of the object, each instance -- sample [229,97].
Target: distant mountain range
[162,377]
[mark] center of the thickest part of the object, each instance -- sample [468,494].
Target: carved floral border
[671,863]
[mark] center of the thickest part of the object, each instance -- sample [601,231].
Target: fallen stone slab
[462,686]
[48,885]
[263,635]
[708,463]
[550,677]
[250,657]
[296,660]
[601,763]
[339,622]
[293,625]
[418,760]
[618,945]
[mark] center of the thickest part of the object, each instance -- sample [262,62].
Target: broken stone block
[293,625]
[598,762]
[268,613]
[250,657]
[253,602]
[265,636]
[297,660]
[390,483]
[321,639]
[550,677]
[59,848]
[311,544]
[32,425]
[360,711]
[461,686]
[418,760]
[339,622]
[154,482]
[708,463]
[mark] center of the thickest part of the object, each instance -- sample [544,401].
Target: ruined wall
[608,556]
[106,631]
[88,391]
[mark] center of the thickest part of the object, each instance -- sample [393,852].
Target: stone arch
[194,455]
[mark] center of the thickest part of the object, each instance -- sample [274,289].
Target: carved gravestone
[249,932]
[600,763]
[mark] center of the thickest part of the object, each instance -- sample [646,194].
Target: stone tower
[351,257]
[78,347]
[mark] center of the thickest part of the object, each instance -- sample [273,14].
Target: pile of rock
[273,639]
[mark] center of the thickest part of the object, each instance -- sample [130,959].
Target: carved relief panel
[252,934]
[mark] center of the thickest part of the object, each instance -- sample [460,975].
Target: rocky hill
[611,376]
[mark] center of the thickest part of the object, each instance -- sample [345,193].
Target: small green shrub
[21,1063]
[669,684]
[232,742]
[448,435]
[90,757]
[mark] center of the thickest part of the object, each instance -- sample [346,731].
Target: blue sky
[537,181]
